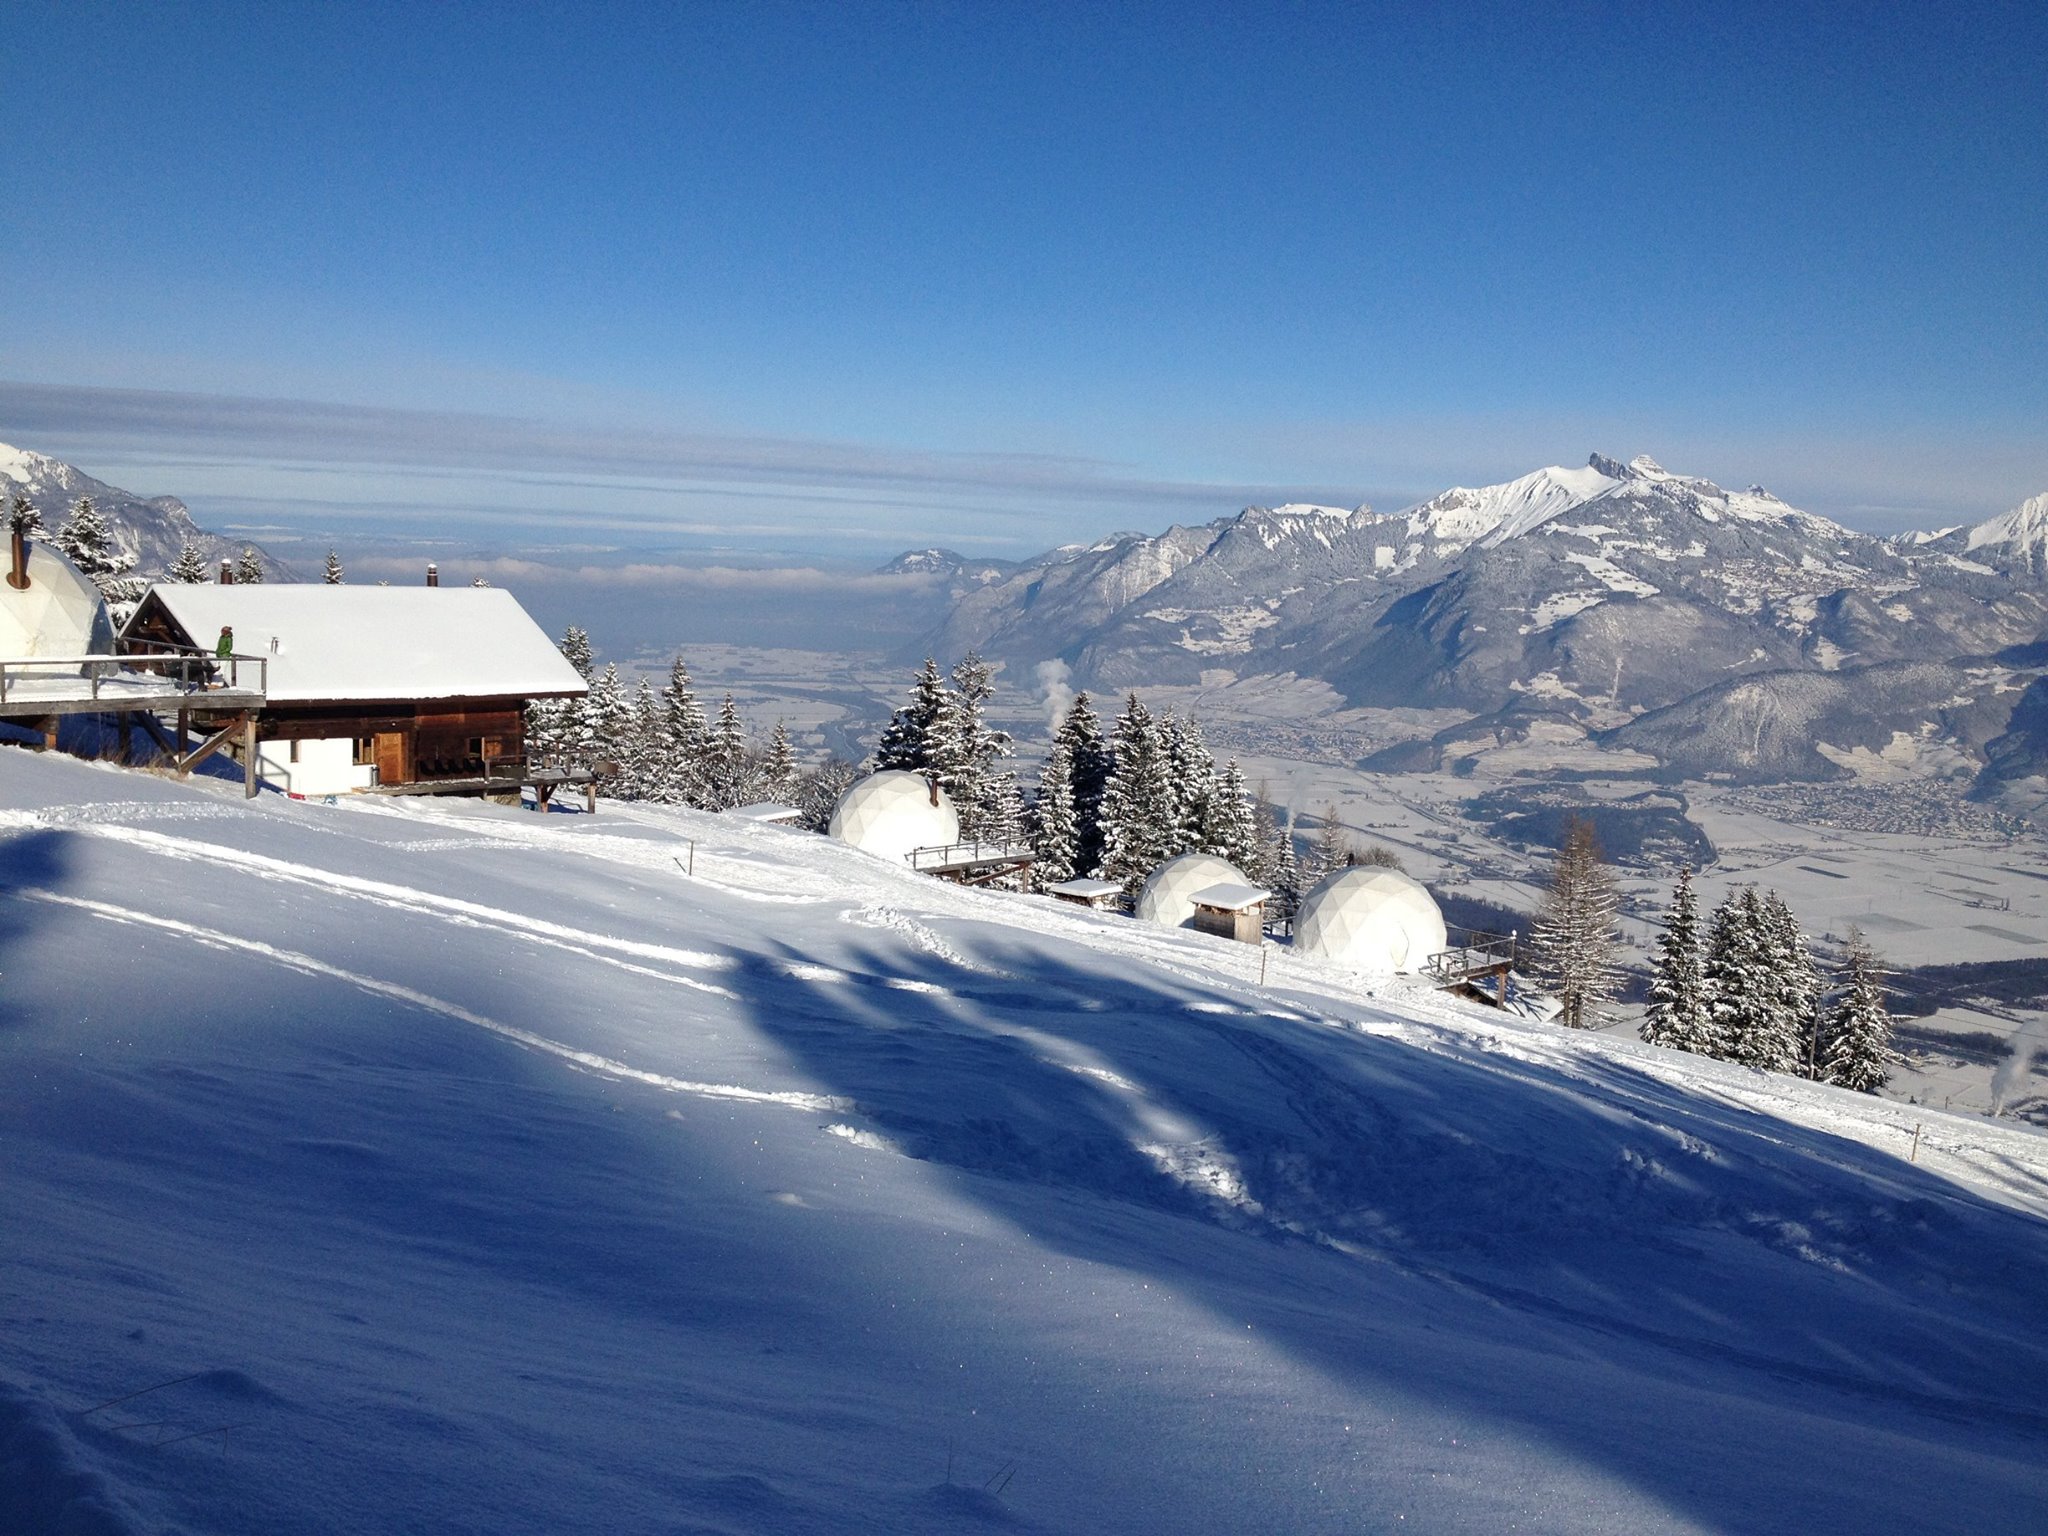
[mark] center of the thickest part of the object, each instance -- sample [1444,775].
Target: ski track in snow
[444,908]
[308,965]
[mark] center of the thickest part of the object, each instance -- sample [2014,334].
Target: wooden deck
[1482,968]
[45,687]
[970,863]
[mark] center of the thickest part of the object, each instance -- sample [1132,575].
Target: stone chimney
[227,574]
[433,574]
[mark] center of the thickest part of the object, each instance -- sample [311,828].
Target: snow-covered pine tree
[1055,830]
[23,518]
[89,544]
[190,568]
[558,728]
[1283,865]
[1137,802]
[1191,779]
[1574,938]
[331,571]
[645,764]
[1795,990]
[728,772]
[1081,733]
[1334,849]
[248,567]
[686,738]
[1856,1035]
[1741,986]
[778,768]
[985,801]
[1228,828]
[916,733]
[819,791]
[608,722]
[1679,1015]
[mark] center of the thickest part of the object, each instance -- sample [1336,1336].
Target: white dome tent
[59,613]
[1371,919]
[1167,897]
[893,813]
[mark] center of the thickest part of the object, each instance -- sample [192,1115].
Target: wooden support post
[249,784]
[49,733]
[590,797]
[207,748]
[184,731]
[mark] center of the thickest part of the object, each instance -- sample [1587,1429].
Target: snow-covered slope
[400,1167]
[151,529]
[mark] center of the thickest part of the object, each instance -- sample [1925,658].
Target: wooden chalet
[403,690]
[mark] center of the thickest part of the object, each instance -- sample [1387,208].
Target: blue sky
[763,280]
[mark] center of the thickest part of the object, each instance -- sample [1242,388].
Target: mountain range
[149,529]
[1718,631]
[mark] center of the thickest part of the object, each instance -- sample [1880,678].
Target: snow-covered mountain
[395,1166]
[1596,593]
[151,529]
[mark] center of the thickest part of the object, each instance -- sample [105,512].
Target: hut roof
[345,642]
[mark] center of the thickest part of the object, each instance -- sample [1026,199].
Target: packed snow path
[445,1167]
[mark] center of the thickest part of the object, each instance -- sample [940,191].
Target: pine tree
[24,519]
[1679,1015]
[1333,849]
[248,567]
[645,764]
[1574,938]
[688,740]
[1138,802]
[1191,782]
[778,768]
[190,568]
[914,734]
[576,651]
[819,790]
[1856,1035]
[88,543]
[1285,875]
[987,800]
[607,721]
[1795,991]
[728,774]
[1743,984]
[558,729]
[1055,829]
[1081,733]
[1228,826]
[331,572]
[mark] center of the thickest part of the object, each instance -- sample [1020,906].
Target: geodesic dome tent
[59,613]
[1167,896]
[1371,919]
[893,812]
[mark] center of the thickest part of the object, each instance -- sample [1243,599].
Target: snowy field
[442,1167]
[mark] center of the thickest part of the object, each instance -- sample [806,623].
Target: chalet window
[366,751]
[295,749]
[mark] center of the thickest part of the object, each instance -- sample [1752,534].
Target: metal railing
[190,670]
[1479,953]
[959,855]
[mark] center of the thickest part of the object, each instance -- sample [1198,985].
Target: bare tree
[1574,938]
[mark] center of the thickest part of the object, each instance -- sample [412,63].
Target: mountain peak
[1648,467]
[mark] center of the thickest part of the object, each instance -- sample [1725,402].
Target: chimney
[433,574]
[227,574]
[18,577]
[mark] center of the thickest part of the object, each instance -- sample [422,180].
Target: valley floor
[444,1167]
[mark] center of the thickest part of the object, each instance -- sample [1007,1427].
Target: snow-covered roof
[345,642]
[1229,896]
[1084,890]
[1167,896]
[766,811]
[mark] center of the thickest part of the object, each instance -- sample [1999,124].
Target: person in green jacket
[225,646]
